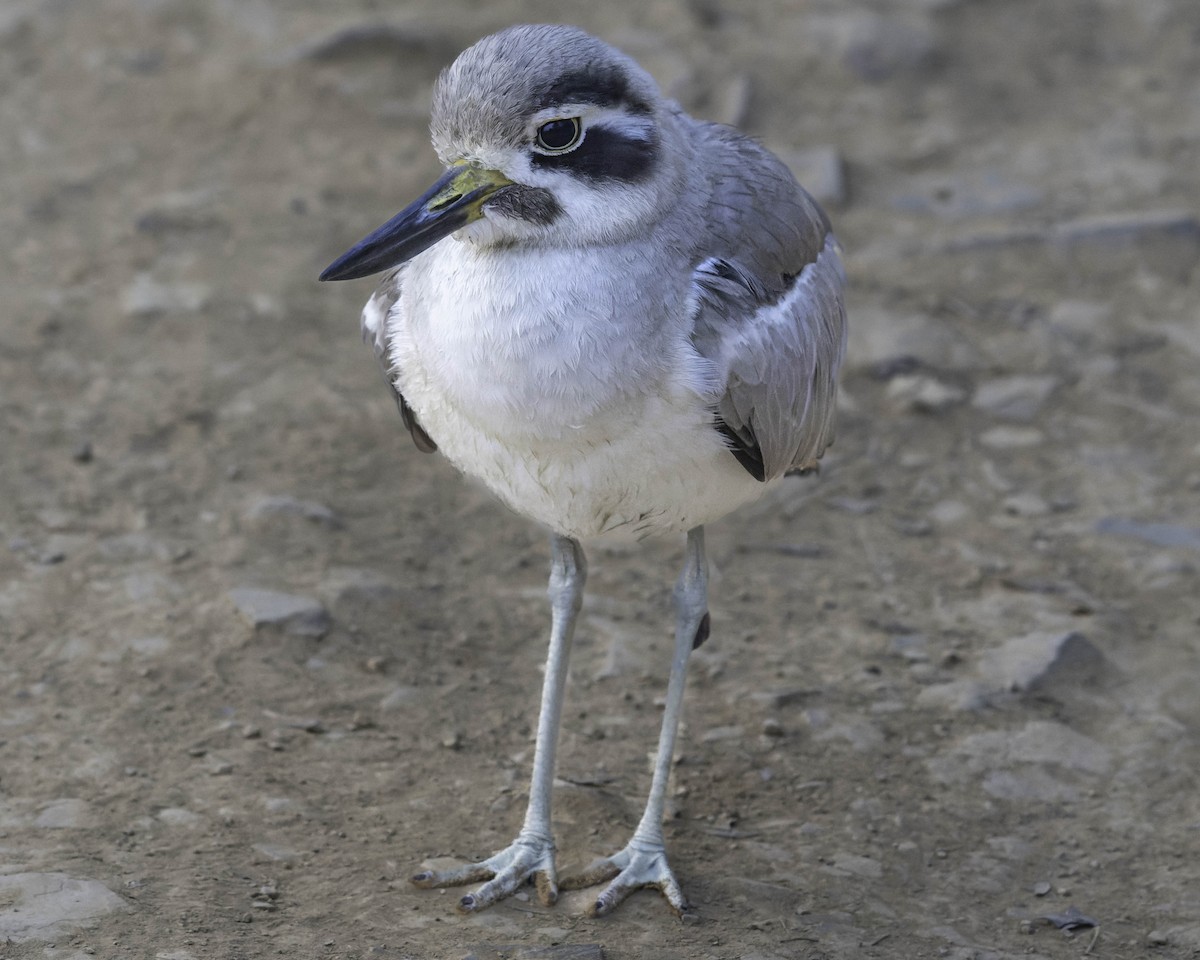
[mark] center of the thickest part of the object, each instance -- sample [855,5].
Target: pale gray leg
[531,855]
[643,861]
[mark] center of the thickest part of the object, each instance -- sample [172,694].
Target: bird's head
[549,136]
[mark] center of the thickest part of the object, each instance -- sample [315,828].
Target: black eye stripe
[596,85]
[605,154]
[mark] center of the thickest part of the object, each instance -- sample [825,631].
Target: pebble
[46,906]
[921,393]
[1129,229]
[147,297]
[1011,438]
[296,615]
[69,812]
[1026,505]
[1016,397]
[1041,888]
[948,511]
[1159,534]
[266,506]
[1156,938]
[959,196]
[1041,661]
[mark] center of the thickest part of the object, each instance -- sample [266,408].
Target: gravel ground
[261,657]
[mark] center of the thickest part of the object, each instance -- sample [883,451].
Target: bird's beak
[454,201]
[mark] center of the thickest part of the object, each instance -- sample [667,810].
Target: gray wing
[769,311]
[374,332]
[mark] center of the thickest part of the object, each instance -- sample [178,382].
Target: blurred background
[259,657]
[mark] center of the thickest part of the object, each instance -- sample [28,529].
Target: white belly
[582,413]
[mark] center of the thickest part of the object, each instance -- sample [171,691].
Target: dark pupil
[557,133]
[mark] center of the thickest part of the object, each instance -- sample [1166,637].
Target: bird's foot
[639,865]
[528,859]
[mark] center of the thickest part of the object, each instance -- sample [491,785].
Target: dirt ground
[953,685]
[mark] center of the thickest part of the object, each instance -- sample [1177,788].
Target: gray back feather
[769,306]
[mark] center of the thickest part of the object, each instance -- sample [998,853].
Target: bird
[625,322]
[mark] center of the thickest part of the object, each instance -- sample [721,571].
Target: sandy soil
[953,681]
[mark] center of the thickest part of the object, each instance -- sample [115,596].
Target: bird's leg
[531,856]
[643,861]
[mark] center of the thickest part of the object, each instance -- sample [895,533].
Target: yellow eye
[559,135]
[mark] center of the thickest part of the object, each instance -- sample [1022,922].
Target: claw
[525,860]
[629,870]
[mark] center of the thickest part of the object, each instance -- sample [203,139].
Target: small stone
[1042,662]
[1130,229]
[1026,505]
[921,393]
[1041,888]
[44,906]
[1011,438]
[82,452]
[1016,397]
[1156,938]
[772,728]
[1159,534]
[948,511]
[147,297]
[265,507]
[296,615]
[452,741]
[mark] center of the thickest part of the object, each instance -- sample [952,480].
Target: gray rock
[1042,661]
[147,297]
[921,393]
[1026,764]
[1026,505]
[67,813]
[1159,534]
[1130,229]
[356,585]
[1016,397]
[46,906]
[1011,438]
[959,196]
[268,506]
[299,616]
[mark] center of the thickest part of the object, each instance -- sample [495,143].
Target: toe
[598,871]
[454,877]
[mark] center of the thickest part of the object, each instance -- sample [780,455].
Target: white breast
[569,389]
